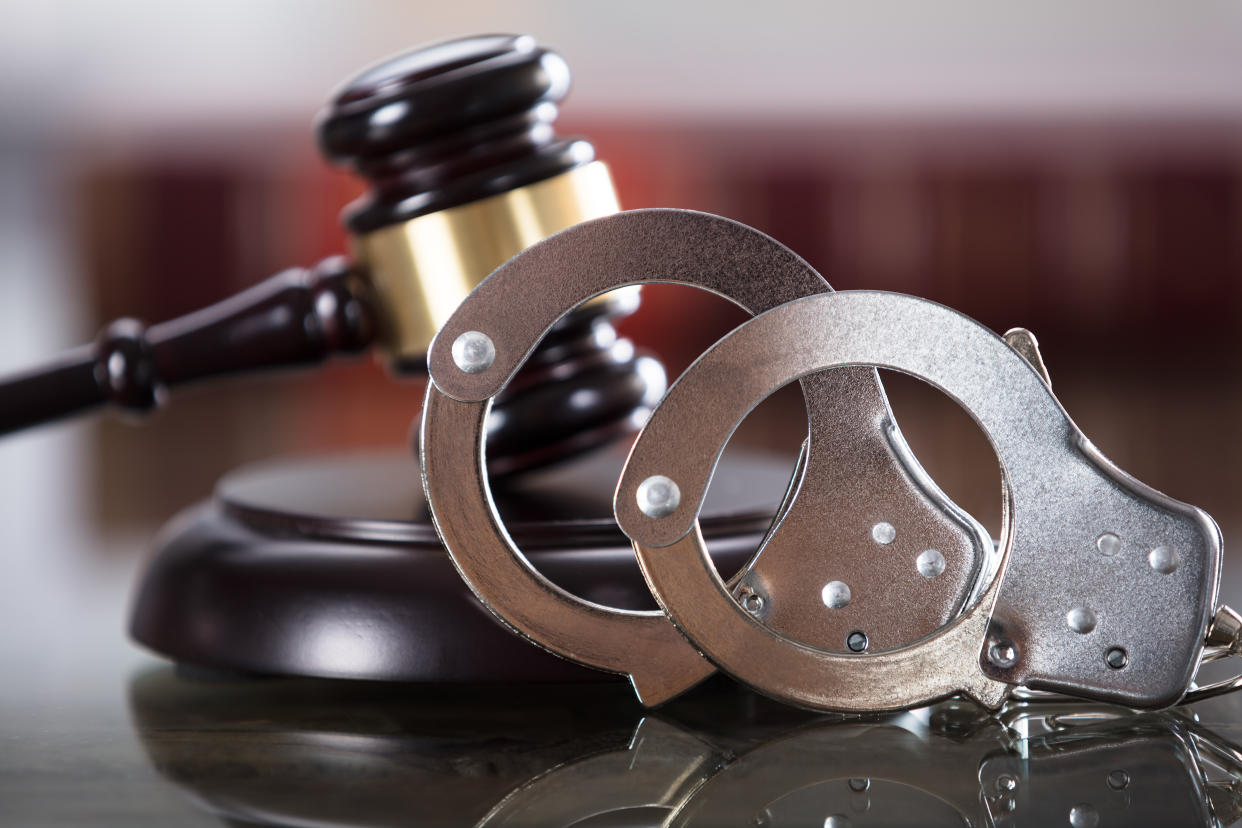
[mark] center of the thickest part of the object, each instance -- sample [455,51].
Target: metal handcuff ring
[492,332]
[1106,588]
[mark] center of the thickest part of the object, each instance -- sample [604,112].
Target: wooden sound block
[330,567]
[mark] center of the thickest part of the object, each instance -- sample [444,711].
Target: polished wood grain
[297,317]
[448,124]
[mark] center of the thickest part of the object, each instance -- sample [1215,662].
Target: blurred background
[1072,168]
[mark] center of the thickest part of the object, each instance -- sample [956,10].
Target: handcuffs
[872,590]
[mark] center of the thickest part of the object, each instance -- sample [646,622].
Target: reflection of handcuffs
[1107,770]
[872,591]
[342,754]
[1044,767]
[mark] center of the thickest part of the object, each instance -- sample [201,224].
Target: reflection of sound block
[331,567]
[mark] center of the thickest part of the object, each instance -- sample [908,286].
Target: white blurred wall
[110,62]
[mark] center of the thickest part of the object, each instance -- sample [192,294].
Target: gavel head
[465,171]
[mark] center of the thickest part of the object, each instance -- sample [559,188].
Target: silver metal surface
[1081,620]
[836,594]
[1108,544]
[658,496]
[473,352]
[1163,560]
[929,563]
[855,469]
[1027,346]
[944,664]
[1225,629]
[883,533]
[1062,501]
[1003,654]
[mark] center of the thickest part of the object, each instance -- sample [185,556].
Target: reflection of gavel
[456,141]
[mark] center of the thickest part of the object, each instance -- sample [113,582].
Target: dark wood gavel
[456,142]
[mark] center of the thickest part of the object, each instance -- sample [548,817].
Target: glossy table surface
[94,731]
[147,746]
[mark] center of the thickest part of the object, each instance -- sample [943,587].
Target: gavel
[457,144]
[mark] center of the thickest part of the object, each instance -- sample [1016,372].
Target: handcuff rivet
[1108,544]
[883,533]
[1117,658]
[474,352]
[752,601]
[1163,560]
[1119,780]
[836,594]
[1003,654]
[658,496]
[930,563]
[1006,783]
[838,821]
[857,641]
[1081,620]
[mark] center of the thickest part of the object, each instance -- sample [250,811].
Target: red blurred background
[1117,241]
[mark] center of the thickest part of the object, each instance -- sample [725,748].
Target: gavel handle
[296,317]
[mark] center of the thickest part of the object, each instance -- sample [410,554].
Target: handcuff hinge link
[1225,629]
